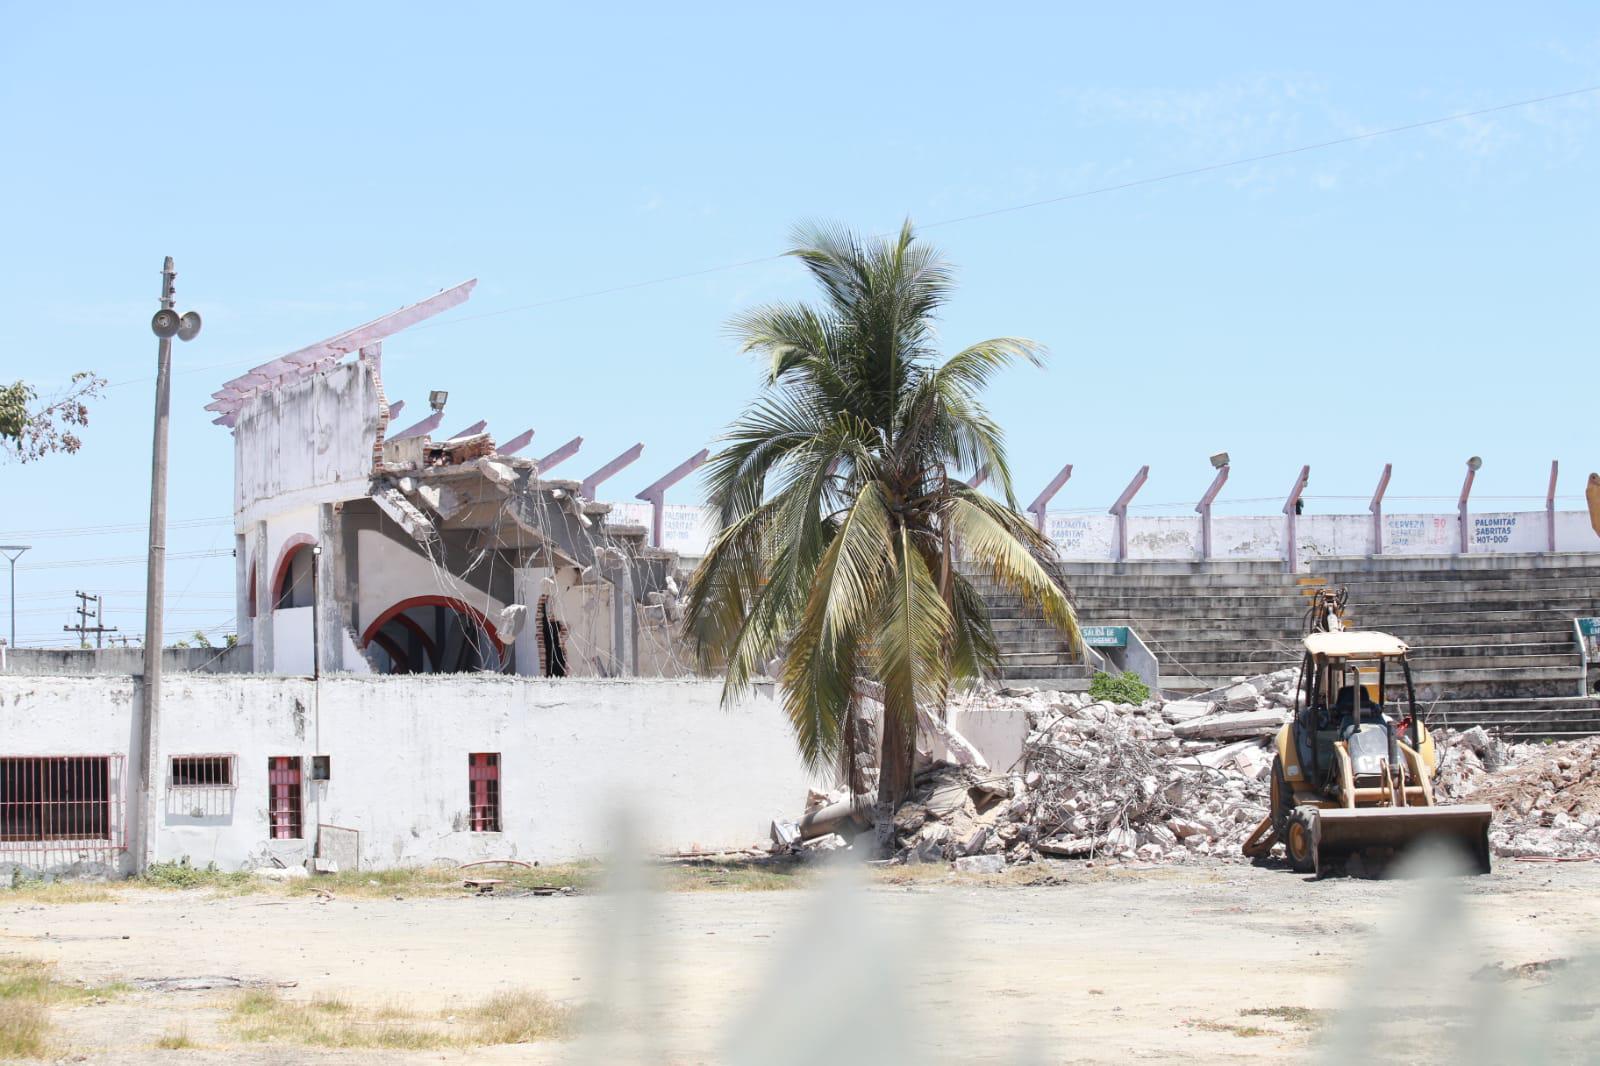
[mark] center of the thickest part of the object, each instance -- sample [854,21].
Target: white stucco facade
[571,753]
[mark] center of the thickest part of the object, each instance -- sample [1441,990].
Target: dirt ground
[1217,963]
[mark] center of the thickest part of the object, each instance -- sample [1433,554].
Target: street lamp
[11,552]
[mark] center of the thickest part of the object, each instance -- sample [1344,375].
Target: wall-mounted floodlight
[1474,463]
[1219,460]
[437,398]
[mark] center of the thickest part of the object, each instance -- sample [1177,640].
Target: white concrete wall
[292,652]
[387,573]
[306,443]
[1093,537]
[571,750]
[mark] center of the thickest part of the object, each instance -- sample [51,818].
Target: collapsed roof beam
[656,494]
[591,484]
[395,408]
[476,427]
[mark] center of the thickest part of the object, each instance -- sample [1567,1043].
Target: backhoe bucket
[1378,834]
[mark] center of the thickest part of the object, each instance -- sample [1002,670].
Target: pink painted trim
[1204,508]
[1120,509]
[516,444]
[427,425]
[1376,507]
[1291,548]
[560,455]
[1038,507]
[1461,510]
[592,483]
[656,494]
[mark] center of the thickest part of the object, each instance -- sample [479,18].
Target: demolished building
[366,547]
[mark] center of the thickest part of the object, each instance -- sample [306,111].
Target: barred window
[283,797]
[483,791]
[62,797]
[202,771]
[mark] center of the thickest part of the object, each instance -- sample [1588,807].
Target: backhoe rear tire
[1297,841]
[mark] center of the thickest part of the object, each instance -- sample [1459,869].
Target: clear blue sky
[1413,299]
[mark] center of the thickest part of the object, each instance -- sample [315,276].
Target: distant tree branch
[29,432]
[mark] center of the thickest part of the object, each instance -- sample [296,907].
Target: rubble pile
[1181,780]
[1546,797]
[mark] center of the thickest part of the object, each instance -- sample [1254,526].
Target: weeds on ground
[1299,1017]
[506,1018]
[178,1041]
[28,989]
[182,874]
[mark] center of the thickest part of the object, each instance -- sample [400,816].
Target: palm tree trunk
[895,766]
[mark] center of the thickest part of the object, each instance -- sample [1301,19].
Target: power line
[1100,190]
[123,560]
[91,531]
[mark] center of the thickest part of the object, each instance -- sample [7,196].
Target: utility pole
[165,325]
[85,613]
[12,551]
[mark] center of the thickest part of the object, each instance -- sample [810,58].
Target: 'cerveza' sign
[1105,636]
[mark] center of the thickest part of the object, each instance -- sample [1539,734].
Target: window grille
[283,797]
[483,790]
[201,771]
[60,808]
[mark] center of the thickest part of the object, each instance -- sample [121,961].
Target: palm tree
[838,521]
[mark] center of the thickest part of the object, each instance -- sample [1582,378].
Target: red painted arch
[434,601]
[281,571]
[395,653]
[422,636]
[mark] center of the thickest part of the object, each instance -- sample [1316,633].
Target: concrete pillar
[243,624]
[624,646]
[262,654]
[332,589]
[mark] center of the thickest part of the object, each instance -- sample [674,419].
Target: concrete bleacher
[1492,635]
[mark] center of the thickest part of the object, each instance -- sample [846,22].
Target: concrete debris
[1252,723]
[1546,797]
[1187,780]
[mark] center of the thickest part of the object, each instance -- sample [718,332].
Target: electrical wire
[1101,190]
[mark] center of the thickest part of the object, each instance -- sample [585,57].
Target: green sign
[1589,627]
[1108,636]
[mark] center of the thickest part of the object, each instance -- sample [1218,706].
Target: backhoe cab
[1354,770]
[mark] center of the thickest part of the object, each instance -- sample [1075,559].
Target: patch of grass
[183,874]
[1300,1017]
[1227,1027]
[178,1041]
[520,1018]
[62,891]
[264,1016]
[753,876]
[28,989]
[24,1027]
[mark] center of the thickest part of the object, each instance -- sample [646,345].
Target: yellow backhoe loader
[1354,769]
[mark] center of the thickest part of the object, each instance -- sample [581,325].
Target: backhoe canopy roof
[1357,644]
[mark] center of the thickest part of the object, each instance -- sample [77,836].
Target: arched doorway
[433,635]
[293,579]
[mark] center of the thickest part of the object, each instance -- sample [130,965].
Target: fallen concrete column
[1228,726]
[824,819]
